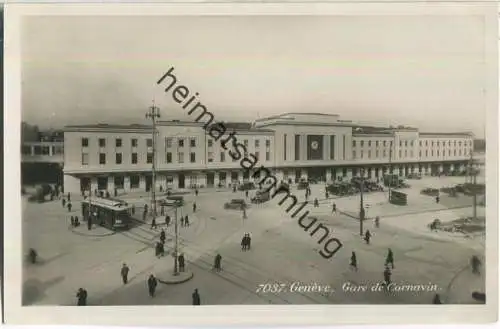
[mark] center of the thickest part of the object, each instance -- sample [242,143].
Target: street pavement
[282,253]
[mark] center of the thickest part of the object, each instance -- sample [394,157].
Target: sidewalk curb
[183,277]
[91,235]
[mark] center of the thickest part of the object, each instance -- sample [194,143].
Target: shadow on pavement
[34,290]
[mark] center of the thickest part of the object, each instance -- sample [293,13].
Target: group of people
[246,242]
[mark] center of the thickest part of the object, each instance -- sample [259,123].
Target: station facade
[291,146]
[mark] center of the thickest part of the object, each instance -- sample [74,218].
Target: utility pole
[153,114]
[361,204]
[176,247]
[390,169]
[473,178]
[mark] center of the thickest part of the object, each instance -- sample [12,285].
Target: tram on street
[113,214]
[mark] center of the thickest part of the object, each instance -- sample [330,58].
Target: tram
[110,213]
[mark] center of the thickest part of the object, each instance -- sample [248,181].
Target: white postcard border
[233,315]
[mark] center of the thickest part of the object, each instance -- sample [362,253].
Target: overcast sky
[425,71]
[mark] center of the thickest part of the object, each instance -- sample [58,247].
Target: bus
[110,213]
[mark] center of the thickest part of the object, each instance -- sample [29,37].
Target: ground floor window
[134,181]
[234,176]
[102,183]
[170,180]
[119,182]
[222,178]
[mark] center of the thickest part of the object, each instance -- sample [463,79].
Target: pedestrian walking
[159,249]
[133,209]
[182,221]
[63,201]
[436,299]
[167,220]
[72,221]
[153,224]
[249,241]
[244,243]
[182,262]
[81,296]
[163,236]
[246,194]
[390,258]
[162,211]
[244,212]
[368,236]
[377,222]
[196,192]
[69,206]
[387,277]
[186,221]
[334,208]
[217,263]
[124,273]
[316,203]
[32,256]
[196,297]
[152,283]
[194,207]
[69,197]
[354,261]
[437,199]
[475,264]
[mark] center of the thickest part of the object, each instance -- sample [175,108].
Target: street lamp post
[361,204]
[153,114]
[176,246]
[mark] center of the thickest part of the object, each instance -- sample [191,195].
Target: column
[126,183]
[32,150]
[111,184]
[303,173]
[202,179]
[452,167]
[216,179]
[175,180]
[161,180]
[93,184]
[329,175]
[349,173]
[441,168]
[326,147]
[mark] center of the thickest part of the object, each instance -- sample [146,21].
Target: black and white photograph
[215,160]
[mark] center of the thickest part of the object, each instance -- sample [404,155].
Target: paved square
[282,253]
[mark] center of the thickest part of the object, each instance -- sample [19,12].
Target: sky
[422,71]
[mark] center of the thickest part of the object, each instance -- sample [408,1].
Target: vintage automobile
[414,176]
[235,204]
[430,191]
[246,186]
[261,197]
[172,200]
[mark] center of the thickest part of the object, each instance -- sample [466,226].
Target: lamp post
[176,246]
[153,114]
[361,204]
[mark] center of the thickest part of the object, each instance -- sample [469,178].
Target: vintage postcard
[251,163]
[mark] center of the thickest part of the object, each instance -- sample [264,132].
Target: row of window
[41,150]
[168,142]
[168,157]
[405,143]
[384,154]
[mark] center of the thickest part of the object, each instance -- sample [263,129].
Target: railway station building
[292,146]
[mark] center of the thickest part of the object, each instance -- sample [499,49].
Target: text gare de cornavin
[248,161]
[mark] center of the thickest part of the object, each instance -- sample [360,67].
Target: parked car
[414,176]
[430,191]
[246,186]
[173,200]
[235,204]
[261,197]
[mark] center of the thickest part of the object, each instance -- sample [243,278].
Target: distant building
[41,155]
[292,146]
